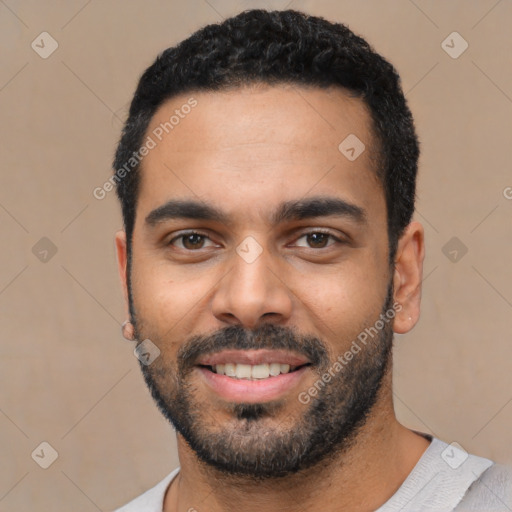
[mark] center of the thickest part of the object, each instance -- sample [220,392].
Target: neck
[360,477]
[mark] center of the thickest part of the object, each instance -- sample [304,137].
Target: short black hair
[281,47]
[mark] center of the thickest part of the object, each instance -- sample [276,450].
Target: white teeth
[243,371]
[260,371]
[247,371]
[275,369]
[230,369]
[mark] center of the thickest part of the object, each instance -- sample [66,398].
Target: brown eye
[193,241]
[190,241]
[317,240]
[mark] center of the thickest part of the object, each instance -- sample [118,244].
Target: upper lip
[252,357]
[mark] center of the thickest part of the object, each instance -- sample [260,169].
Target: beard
[263,440]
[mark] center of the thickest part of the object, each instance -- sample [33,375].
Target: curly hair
[277,47]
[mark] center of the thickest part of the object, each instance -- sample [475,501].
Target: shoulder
[492,491]
[153,499]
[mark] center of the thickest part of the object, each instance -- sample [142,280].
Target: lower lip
[251,391]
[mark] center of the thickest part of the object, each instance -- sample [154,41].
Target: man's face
[306,281]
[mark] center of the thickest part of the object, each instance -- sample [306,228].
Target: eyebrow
[318,207]
[185,209]
[288,211]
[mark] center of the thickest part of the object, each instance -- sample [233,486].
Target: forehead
[254,144]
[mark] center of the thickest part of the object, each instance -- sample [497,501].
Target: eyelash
[321,231]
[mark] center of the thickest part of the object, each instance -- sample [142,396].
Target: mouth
[252,376]
[253,372]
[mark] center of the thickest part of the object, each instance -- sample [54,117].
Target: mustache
[268,336]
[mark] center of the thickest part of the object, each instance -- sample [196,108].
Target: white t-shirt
[444,479]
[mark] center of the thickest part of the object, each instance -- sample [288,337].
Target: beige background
[66,375]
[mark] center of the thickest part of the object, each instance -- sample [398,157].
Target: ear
[122,258]
[407,277]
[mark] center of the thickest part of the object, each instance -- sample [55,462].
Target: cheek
[342,303]
[160,299]
[161,311]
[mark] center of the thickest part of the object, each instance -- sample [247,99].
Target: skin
[246,151]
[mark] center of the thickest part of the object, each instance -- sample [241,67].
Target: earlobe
[128,331]
[407,277]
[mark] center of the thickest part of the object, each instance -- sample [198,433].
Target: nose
[251,293]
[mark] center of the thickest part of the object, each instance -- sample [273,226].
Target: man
[267,175]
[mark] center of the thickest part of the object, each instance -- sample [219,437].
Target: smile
[250,389]
[253,372]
